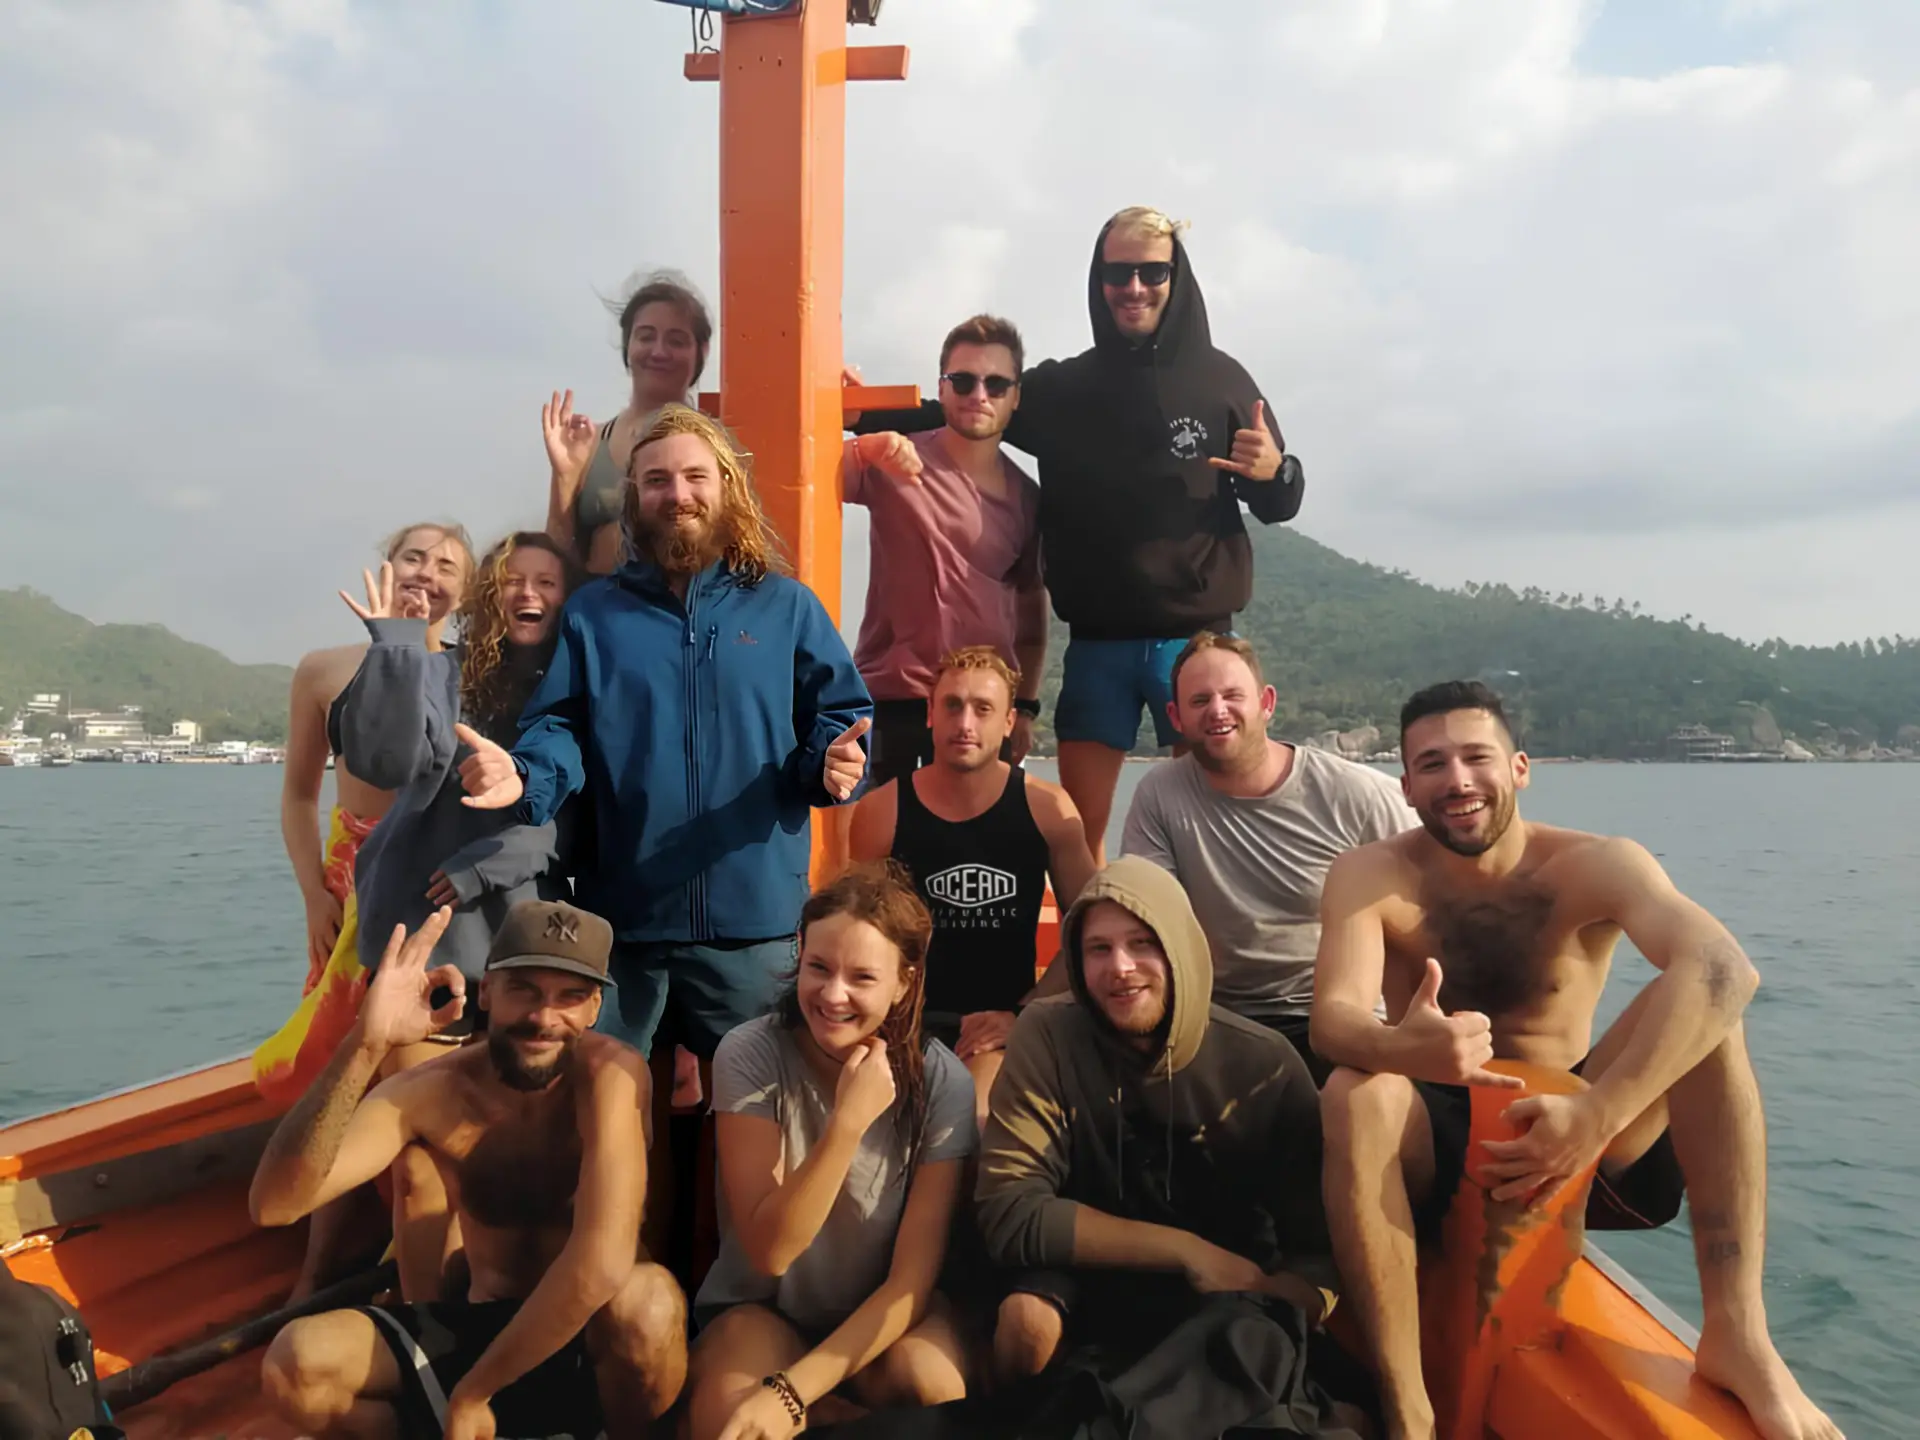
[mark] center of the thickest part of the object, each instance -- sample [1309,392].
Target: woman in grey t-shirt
[842,1137]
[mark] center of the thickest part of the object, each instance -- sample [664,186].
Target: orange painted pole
[783,92]
[783,106]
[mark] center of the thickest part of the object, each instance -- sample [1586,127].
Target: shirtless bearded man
[541,1131]
[1492,937]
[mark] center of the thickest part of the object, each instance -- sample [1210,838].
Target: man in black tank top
[980,839]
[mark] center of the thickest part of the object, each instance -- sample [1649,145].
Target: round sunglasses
[963,382]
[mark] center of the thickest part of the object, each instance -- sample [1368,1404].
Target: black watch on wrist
[1027,707]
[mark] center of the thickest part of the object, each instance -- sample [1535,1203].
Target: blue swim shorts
[1106,683]
[680,993]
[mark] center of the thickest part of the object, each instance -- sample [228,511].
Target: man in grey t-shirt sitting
[1249,825]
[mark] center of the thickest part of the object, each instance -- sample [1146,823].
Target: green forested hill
[43,647]
[1345,643]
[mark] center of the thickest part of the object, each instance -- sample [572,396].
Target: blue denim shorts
[681,993]
[1105,684]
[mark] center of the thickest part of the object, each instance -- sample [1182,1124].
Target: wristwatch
[1027,707]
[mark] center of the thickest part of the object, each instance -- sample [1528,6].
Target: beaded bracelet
[789,1397]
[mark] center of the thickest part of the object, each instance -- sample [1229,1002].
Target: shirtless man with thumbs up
[706,704]
[1491,937]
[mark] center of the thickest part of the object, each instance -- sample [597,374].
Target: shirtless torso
[511,1160]
[1530,949]
[541,1132]
[1490,938]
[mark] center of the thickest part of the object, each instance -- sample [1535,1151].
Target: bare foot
[1760,1380]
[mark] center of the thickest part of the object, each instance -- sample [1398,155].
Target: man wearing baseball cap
[543,1128]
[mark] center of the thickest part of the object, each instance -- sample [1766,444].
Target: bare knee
[302,1379]
[1356,1107]
[913,1371]
[648,1315]
[1026,1334]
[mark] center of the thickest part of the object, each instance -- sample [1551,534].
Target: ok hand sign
[398,1009]
[570,437]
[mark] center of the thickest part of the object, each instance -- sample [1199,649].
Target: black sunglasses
[1151,272]
[963,382]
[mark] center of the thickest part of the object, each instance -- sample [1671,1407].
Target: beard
[1500,812]
[683,541]
[1246,752]
[1138,1029]
[517,1074]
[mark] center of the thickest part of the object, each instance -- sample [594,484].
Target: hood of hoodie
[1156,899]
[1183,323]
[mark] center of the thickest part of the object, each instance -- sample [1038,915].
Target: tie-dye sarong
[287,1063]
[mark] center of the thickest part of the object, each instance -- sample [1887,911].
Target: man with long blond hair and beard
[706,704]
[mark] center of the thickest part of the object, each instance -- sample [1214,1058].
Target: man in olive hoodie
[1145,1148]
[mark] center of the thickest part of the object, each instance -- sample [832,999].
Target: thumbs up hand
[488,774]
[1447,1049]
[846,761]
[1255,456]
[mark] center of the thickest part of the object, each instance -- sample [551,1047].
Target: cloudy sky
[1615,298]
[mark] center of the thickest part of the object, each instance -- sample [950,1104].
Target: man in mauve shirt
[955,558]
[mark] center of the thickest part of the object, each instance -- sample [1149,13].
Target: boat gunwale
[76,1135]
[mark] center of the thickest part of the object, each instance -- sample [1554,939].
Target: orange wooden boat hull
[134,1206]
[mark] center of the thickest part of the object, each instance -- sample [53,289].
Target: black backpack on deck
[47,1385]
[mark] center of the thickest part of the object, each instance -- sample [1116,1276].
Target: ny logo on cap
[563,927]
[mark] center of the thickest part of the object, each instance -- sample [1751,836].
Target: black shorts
[901,741]
[1643,1196]
[1293,1030]
[437,1344]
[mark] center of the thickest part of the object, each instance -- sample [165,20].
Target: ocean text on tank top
[983,880]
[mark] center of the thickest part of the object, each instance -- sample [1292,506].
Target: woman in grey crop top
[843,1135]
[665,333]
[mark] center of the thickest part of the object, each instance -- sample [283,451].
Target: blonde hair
[483,620]
[1145,222]
[749,543]
[390,546]
[979,657]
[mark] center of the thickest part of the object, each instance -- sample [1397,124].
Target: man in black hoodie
[1147,445]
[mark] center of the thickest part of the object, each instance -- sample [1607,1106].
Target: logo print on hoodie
[1189,436]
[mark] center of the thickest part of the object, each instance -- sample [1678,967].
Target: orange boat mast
[783,109]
